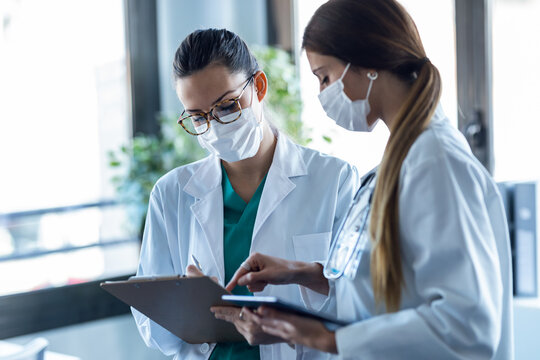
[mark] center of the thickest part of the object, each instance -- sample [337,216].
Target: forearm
[310,275]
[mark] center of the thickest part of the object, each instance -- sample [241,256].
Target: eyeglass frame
[236,99]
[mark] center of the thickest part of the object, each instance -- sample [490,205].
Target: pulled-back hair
[380,34]
[210,47]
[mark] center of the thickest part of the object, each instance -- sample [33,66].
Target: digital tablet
[254,302]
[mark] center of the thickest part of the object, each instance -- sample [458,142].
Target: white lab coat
[305,198]
[455,254]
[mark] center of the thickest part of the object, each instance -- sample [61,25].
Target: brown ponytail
[380,34]
[414,116]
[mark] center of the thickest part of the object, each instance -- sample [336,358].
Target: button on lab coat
[305,198]
[457,300]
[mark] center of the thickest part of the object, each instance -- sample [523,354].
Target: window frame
[51,308]
[473,19]
[46,309]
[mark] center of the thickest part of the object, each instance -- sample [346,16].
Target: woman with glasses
[421,268]
[257,192]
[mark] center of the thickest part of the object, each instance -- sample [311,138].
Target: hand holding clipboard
[179,304]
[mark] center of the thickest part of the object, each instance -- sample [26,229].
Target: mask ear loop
[345,71]
[251,101]
[372,77]
[252,80]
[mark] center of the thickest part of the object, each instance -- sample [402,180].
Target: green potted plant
[148,157]
[283,100]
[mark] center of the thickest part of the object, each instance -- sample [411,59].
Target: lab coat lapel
[205,186]
[286,164]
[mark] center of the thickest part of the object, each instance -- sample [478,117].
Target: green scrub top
[238,220]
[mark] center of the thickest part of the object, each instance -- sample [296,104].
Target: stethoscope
[345,251]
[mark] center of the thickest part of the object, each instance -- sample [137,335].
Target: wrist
[329,343]
[310,275]
[326,342]
[302,272]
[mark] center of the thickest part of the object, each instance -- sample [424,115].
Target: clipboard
[179,304]
[254,302]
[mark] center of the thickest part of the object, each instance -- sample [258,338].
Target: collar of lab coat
[205,186]
[287,162]
[439,114]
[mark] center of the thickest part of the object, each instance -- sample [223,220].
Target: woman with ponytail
[421,268]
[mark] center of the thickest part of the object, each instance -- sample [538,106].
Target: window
[65,246]
[63,89]
[435,22]
[516,79]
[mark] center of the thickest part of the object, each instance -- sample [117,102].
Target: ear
[372,74]
[261,84]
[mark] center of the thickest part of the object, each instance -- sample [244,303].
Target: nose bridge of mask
[332,92]
[201,128]
[218,129]
[229,117]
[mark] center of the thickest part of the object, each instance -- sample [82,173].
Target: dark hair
[213,46]
[380,34]
[367,33]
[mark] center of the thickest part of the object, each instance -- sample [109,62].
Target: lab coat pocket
[312,247]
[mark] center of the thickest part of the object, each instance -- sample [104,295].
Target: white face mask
[351,115]
[236,141]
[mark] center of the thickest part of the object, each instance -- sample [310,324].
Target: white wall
[527,329]
[178,18]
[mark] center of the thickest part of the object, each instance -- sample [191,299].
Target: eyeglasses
[224,112]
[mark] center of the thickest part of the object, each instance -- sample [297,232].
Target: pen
[197,264]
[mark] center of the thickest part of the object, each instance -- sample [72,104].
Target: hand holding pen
[196,270]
